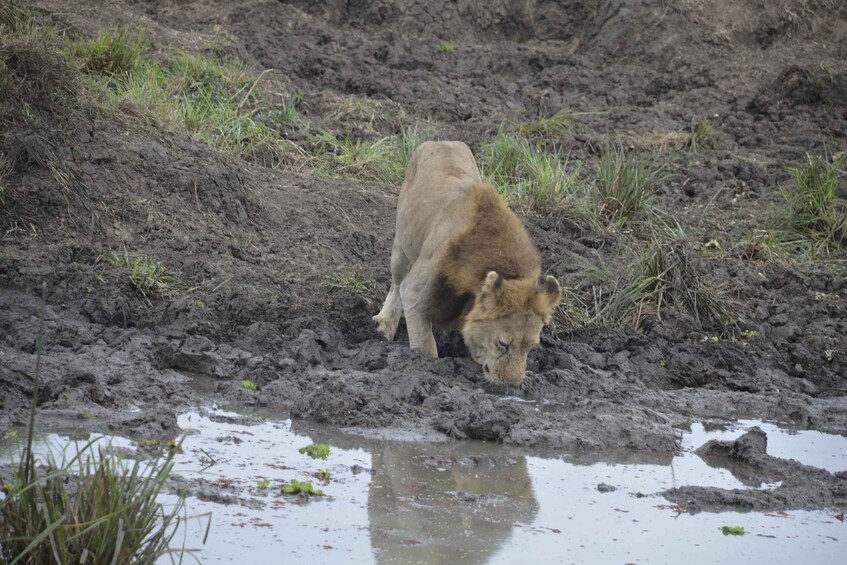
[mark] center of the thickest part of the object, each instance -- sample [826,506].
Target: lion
[462,260]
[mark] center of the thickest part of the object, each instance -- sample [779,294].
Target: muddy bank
[255,254]
[798,485]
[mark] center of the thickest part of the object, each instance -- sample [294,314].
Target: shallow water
[469,502]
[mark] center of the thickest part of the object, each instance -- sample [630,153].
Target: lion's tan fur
[463,260]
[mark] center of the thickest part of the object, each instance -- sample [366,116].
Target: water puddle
[392,501]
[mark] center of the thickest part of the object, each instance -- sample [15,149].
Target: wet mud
[252,246]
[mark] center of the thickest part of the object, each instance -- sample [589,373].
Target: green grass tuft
[5,171]
[147,276]
[370,160]
[15,17]
[114,53]
[249,385]
[622,187]
[561,124]
[702,135]
[446,47]
[666,276]
[532,177]
[812,217]
[94,507]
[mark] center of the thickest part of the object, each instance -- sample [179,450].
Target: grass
[93,505]
[147,276]
[623,187]
[383,160]
[561,124]
[410,139]
[5,171]
[91,508]
[348,280]
[664,141]
[573,312]
[214,99]
[701,135]
[113,54]
[14,18]
[666,276]
[289,113]
[531,177]
[811,215]
[446,47]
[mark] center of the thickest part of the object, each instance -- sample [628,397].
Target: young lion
[462,260]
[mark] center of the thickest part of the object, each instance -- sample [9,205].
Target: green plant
[347,280]
[811,213]
[702,135]
[532,177]
[732,530]
[263,484]
[250,385]
[560,124]
[410,139]
[93,507]
[5,171]
[296,487]
[446,47]
[316,450]
[372,160]
[623,186]
[666,275]
[147,276]
[323,475]
[14,16]
[113,53]
[95,504]
[288,114]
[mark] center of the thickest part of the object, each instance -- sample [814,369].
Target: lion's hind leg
[389,317]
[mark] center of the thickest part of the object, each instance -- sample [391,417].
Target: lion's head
[505,322]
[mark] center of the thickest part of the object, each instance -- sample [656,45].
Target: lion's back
[435,195]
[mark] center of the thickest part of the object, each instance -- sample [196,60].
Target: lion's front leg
[389,317]
[420,333]
[414,292]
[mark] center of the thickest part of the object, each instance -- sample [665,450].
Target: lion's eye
[504,347]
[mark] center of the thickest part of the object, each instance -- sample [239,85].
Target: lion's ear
[491,292]
[493,284]
[549,296]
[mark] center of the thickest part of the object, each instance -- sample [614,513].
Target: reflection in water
[444,510]
[469,502]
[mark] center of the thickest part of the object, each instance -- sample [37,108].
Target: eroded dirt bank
[255,247]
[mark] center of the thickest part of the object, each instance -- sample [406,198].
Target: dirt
[253,246]
[748,460]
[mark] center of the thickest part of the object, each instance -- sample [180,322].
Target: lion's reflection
[440,509]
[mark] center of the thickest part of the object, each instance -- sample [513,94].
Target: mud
[747,458]
[253,246]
